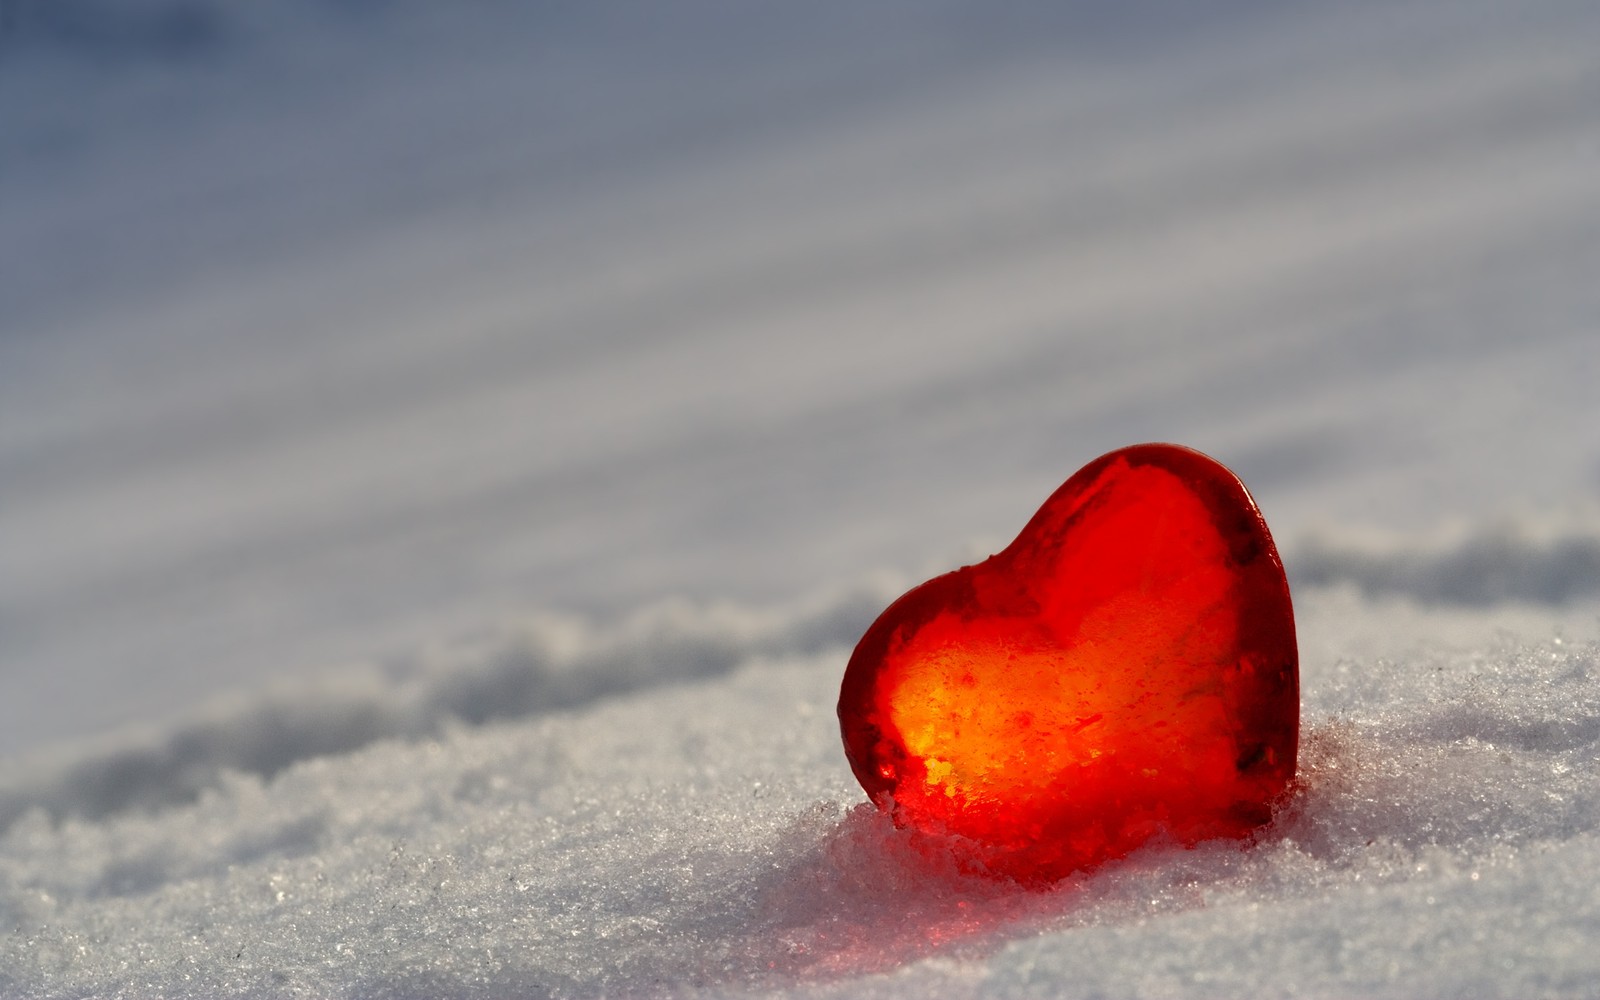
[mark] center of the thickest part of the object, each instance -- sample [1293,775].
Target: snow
[628,833]
[447,454]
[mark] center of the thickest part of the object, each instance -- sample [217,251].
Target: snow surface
[447,453]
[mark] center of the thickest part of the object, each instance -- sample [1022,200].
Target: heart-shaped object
[1125,669]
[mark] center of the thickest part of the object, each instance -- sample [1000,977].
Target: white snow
[447,453]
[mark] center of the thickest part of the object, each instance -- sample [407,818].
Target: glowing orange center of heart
[1125,668]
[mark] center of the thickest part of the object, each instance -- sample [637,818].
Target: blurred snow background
[447,452]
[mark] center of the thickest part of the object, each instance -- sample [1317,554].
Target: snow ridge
[1485,565]
[546,665]
[550,664]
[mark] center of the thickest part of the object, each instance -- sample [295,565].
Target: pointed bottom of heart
[1068,844]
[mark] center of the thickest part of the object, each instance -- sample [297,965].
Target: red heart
[1125,668]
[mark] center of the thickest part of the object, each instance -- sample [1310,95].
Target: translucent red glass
[1126,669]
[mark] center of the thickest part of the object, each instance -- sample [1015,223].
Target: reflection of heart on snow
[1126,669]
